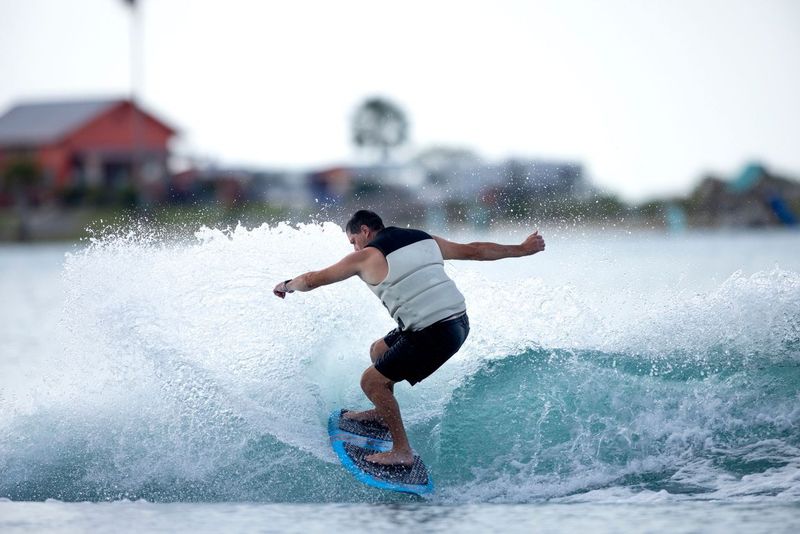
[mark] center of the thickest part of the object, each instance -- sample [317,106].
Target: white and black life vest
[416,291]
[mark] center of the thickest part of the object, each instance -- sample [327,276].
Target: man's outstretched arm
[483,251]
[343,269]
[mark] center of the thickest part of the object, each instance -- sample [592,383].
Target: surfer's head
[362,228]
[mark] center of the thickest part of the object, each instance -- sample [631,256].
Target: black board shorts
[415,355]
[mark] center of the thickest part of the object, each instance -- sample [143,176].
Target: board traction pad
[414,475]
[368,429]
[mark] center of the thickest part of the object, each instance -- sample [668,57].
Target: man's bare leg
[376,350]
[378,389]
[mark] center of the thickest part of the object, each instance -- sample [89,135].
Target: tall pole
[137,73]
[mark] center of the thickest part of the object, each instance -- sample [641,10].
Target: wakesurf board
[353,441]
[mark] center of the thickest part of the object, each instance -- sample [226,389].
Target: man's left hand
[534,243]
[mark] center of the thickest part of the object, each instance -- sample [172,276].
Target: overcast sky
[647,94]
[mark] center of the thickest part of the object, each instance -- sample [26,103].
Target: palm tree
[380,124]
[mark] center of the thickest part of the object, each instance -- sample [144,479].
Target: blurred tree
[379,124]
[20,176]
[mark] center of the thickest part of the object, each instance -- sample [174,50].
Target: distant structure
[337,184]
[754,198]
[453,185]
[391,188]
[465,187]
[514,178]
[107,145]
[229,186]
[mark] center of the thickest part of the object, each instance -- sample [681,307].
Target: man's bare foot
[392,458]
[366,415]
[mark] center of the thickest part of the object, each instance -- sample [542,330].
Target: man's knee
[377,349]
[372,381]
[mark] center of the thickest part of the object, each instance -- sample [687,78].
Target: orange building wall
[121,129]
[117,130]
[54,160]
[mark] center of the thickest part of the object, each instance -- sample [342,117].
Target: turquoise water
[469,518]
[615,375]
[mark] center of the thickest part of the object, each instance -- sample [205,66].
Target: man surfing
[405,270]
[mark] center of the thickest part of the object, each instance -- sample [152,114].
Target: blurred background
[659,114]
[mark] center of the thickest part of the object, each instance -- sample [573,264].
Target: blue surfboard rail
[338,438]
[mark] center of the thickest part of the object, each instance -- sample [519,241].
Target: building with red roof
[110,144]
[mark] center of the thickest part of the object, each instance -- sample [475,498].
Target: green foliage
[21,172]
[127,196]
[97,196]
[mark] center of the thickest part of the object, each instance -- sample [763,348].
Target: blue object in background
[782,211]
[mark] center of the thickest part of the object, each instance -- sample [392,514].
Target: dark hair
[364,217]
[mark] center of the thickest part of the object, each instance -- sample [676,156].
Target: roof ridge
[45,121]
[65,102]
